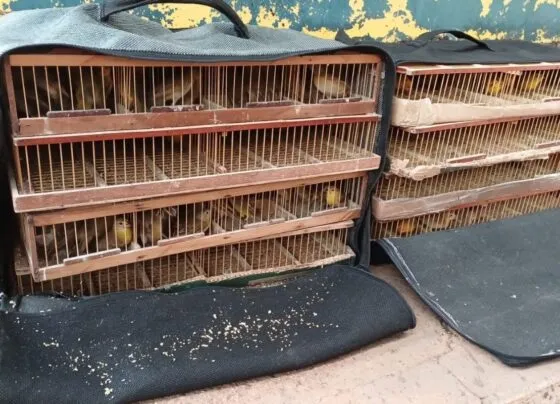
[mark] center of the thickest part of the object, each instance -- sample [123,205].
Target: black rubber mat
[138,345]
[497,284]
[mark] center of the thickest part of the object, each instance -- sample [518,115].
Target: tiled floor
[430,364]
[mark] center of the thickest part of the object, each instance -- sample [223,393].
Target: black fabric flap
[460,51]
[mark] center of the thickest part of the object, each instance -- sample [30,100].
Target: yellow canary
[406,227]
[333,197]
[440,221]
[534,82]
[123,232]
[330,85]
[494,87]
[241,208]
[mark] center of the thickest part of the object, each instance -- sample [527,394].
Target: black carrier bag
[474,105]
[136,345]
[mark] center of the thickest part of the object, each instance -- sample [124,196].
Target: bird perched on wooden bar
[123,231]
[149,227]
[333,197]
[329,84]
[241,208]
[198,222]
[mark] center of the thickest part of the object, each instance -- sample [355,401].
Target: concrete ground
[430,364]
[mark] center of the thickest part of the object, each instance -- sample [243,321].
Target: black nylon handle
[110,7]
[428,36]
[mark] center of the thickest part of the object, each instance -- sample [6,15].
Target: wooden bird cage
[422,152]
[401,197]
[500,84]
[79,240]
[291,251]
[430,94]
[86,169]
[57,93]
[467,215]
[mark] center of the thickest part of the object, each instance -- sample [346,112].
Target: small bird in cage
[264,208]
[199,224]
[333,197]
[404,85]
[329,84]
[440,221]
[120,235]
[43,90]
[150,227]
[175,89]
[92,86]
[241,208]
[405,227]
[534,82]
[72,239]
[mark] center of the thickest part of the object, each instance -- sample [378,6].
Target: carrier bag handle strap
[428,36]
[110,7]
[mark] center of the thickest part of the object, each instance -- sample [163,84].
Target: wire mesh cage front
[493,85]
[287,253]
[466,216]
[77,86]
[425,149]
[127,232]
[51,176]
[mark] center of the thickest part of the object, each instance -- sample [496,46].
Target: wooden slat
[131,125]
[10,95]
[417,70]
[188,130]
[466,159]
[102,60]
[83,213]
[297,227]
[92,256]
[79,113]
[117,193]
[409,207]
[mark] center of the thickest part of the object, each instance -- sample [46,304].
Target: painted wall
[536,20]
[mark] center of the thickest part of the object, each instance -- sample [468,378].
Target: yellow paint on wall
[268,17]
[539,3]
[487,34]
[5,5]
[485,7]
[320,33]
[245,14]
[396,17]
[186,15]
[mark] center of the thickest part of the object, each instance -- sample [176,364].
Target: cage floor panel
[464,217]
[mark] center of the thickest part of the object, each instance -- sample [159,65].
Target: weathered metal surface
[536,20]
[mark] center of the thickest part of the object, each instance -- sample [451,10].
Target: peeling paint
[389,20]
